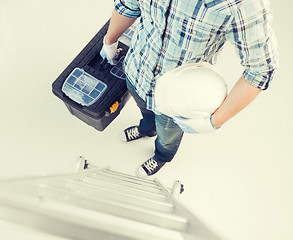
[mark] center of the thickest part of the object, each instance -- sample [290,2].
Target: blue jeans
[169,134]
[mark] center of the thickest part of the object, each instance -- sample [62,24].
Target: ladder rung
[126,181]
[77,187]
[166,220]
[130,180]
[127,176]
[126,189]
[98,179]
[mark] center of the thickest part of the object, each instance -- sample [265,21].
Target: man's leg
[146,126]
[169,136]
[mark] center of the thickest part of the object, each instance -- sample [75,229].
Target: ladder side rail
[196,228]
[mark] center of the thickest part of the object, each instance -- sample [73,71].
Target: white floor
[238,180]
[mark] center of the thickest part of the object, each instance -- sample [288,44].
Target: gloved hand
[110,52]
[199,125]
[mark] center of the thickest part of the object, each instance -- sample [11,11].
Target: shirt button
[194,31]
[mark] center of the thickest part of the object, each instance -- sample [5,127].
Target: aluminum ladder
[101,204]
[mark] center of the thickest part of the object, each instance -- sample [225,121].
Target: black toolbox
[108,106]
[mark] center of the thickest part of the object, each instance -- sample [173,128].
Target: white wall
[238,181]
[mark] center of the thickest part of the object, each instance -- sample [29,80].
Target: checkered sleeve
[252,34]
[127,8]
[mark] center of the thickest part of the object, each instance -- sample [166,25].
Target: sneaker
[131,134]
[150,167]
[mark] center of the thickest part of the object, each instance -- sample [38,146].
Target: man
[173,32]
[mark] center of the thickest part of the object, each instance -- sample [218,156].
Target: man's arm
[118,25]
[124,15]
[257,48]
[240,96]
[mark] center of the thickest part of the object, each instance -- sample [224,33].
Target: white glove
[110,52]
[199,125]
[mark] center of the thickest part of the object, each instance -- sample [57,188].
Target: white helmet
[193,90]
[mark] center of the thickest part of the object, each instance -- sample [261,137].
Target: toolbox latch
[114,107]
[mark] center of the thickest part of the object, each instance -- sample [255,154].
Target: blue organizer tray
[83,88]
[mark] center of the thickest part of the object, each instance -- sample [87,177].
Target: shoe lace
[133,133]
[151,165]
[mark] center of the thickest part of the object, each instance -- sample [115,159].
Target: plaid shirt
[172,32]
